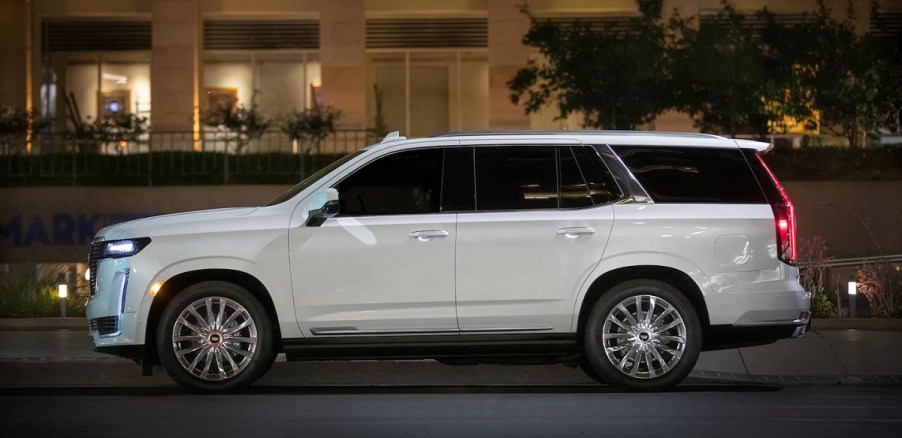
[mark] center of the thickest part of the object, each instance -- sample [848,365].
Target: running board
[430,346]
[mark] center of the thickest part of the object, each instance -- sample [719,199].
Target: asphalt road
[550,411]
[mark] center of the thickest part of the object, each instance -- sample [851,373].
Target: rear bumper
[720,337]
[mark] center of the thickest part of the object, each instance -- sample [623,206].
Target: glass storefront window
[278,83]
[428,93]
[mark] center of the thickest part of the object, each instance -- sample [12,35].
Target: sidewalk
[46,354]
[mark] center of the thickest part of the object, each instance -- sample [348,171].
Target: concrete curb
[37,324]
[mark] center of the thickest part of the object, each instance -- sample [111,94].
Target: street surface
[693,410]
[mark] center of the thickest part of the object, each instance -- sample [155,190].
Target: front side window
[407,182]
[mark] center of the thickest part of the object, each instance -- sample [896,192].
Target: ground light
[853,291]
[63,294]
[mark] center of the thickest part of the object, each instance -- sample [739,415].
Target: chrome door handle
[426,235]
[574,232]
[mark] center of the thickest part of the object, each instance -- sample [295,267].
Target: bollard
[63,294]
[853,293]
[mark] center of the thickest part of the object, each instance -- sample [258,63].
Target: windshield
[299,187]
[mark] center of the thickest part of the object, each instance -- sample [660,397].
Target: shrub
[814,275]
[881,284]
[26,295]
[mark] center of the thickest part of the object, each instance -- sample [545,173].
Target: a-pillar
[507,54]
[342,44]
[174,72]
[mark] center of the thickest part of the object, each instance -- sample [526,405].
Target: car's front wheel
[642,335]
[215,336]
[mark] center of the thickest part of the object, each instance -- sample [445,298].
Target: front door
[385,263]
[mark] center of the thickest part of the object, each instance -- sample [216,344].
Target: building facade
[422,67]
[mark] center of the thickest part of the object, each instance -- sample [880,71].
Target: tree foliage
[612,78]
[729,76]
[241,123]
[313,125]
[846,77]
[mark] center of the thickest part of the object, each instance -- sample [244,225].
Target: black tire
[651,356]
[219,357]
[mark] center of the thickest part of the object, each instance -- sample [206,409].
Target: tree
[241,123]
[848,78]
[312,125]
[15,124]
[616,79]
[725,78]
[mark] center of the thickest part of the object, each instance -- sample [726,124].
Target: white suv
[624,253]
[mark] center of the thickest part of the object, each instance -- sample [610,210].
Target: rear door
[541,220]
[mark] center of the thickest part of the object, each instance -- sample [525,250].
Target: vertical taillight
[784,219]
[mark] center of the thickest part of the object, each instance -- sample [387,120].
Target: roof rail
[393,136]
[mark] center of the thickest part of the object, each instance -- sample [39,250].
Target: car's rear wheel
[215,336]
[642,335]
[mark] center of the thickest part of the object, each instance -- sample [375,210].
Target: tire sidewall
[263,356]
[597,357]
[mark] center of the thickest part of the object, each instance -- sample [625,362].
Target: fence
[161,158]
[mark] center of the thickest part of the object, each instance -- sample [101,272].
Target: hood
[172,224]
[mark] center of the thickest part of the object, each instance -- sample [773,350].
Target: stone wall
[56,224]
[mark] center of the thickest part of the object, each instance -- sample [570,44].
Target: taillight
[784,219]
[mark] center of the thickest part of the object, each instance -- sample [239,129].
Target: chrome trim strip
[798,321]
[328,331]
[123,287]
[506,329]
[333,331]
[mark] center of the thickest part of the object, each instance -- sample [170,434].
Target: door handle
[426,235]
[574,232]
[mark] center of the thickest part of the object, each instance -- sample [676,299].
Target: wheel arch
[180,282]
[674,277]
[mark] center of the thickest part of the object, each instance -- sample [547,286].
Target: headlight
[115,249]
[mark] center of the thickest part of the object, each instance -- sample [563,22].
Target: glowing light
[853,288]
[63,291]
[155,289]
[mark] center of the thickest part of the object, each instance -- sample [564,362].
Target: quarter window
[692,175]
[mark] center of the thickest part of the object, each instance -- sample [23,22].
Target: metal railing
[155,158]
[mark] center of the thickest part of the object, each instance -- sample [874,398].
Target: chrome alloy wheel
[644,336]
[214,338]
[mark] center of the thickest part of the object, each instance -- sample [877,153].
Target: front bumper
[113,309]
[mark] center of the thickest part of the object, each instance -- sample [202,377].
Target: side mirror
[323,205]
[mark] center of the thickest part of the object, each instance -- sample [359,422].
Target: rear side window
[692,175]
[516,178]
[541,178]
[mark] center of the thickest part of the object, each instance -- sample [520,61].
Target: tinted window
[516,178]
[692,175]
[404,183]
[574,193]
[601,183]
[457,180]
